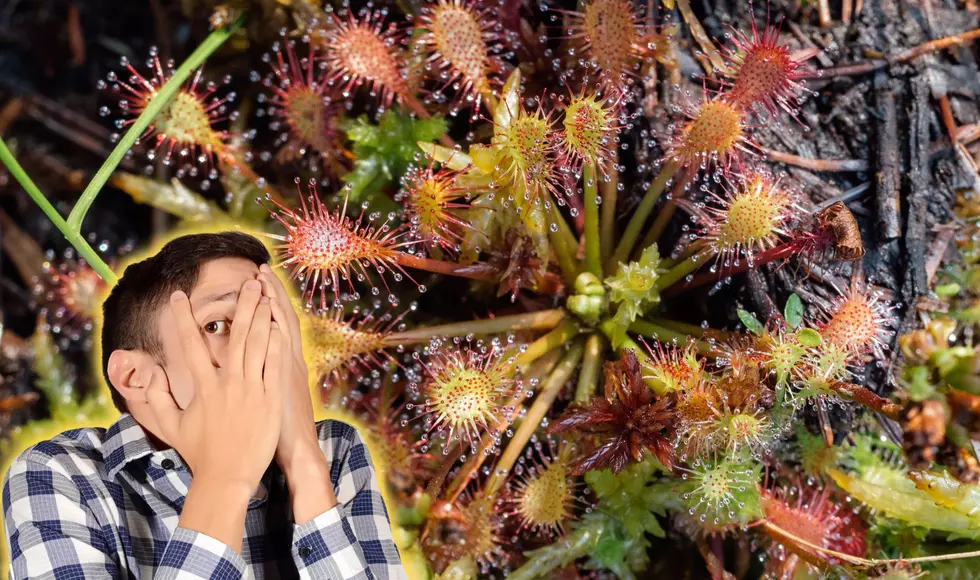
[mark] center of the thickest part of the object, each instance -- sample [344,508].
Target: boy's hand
[298,454]
[298,439]
[228,433]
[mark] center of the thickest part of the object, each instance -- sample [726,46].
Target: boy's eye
[217,327]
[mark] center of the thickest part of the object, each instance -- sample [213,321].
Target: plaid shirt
[102,503]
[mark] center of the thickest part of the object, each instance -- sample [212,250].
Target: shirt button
[305,552]
[167,464]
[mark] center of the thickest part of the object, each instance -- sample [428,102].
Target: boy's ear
[130,372]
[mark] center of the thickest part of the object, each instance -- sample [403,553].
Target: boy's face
[213,301]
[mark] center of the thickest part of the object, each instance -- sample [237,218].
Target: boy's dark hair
[129,313]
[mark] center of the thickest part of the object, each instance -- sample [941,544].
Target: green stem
[563,241]
[84,249]
[588,377]
[593,257]
[557,337]
[610,192]
[667,212]
[647,328]
[693,329]
[640,215]
[532,420]
[675,274]
[160,99]
[542,320]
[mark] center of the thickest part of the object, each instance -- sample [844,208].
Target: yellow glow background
[95,370]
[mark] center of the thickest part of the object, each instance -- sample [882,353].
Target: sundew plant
[576,268]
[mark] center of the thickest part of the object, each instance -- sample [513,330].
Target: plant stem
[610,193]
[532,420]
[693,329]
[659,224]
[541,320]
[692,263]
[74,238]
[563,241]
[478,271]
[640,216]
[567,330]
[861,395]
[647,328]
[160,99]
[593,257]
[588,377]
[762,258]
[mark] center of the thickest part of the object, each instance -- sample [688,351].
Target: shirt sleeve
[352,540]
[52,534]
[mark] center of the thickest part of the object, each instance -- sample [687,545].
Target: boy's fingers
[272,375]
[280,292]
[257,345]
[163,406]
[191,342]
[248,301]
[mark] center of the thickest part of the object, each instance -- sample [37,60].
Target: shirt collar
[125,441]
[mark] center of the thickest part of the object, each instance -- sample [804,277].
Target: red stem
[476,271]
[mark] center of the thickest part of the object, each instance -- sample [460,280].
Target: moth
[840,222]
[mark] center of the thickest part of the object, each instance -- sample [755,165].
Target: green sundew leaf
[751,323]
[793,311]
[456,160]
[808,337]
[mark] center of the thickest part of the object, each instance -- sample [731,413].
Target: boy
[215,468]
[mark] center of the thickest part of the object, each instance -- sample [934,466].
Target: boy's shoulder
[75,452]
[329,429]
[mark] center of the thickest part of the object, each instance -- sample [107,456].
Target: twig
[869,562]
[848,196]
[817,164]
[904,56]
[887,182]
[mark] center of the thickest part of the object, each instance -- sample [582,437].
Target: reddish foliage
[627,418]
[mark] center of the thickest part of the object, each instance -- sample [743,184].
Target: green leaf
[808,337]
[947,290]
[384,152]
[793,311]
[751,323]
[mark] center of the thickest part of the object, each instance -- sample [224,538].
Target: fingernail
[178,295]
[265,268]
[253,285]
[275,324]
[264,300]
